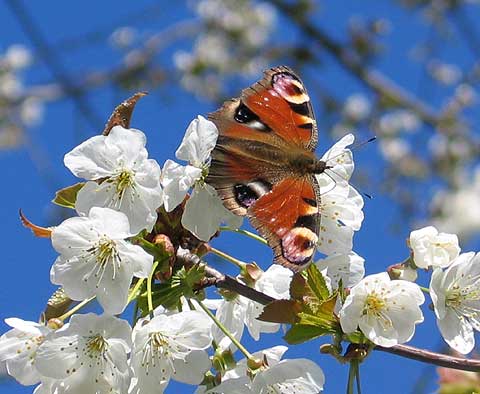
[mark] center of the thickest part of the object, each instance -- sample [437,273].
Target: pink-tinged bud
[55,324]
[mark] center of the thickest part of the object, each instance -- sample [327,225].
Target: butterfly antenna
[369,196]
[354,147]
[363,143]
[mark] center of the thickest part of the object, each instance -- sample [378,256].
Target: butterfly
[263,165]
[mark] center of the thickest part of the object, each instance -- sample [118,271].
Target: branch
[219,280]
[346,58]
[222,281]
[426,356]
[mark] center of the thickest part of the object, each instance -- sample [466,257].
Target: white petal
[110,223]
[177,181]
[457,332]
[72,235]
[232,315]
[346,267]
[193,368]
[91,159]
[129,142]
[204,211]
[291,370]
[133,255]
[139,214]
[198,142]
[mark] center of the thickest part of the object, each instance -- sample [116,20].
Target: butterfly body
[263,165]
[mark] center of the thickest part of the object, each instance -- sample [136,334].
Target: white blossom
[348,268]
[96,260]
[17,57]
[87,355]
[400,120]
[204,211]
[289,376]
[455,294]
[170,347]
[433,249]
[385,310]
[341,205]
[18,348]
[120,176]
[341,215]
[449,207]
[241,311]
[357,107]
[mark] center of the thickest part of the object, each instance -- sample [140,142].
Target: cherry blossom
[87,355]
[385,310]
[433,249]
[348,268]
[456,297]
[197,144]
[287,376]
[18,348]
[170,347]
[96,260]
[120,176]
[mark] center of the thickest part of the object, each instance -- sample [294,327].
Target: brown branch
[425,356]
[348,60]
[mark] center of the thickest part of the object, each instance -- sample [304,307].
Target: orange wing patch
[281,101]
[288,217]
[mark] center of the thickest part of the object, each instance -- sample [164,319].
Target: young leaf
[302,333]
[316,282]
[66,197]
[281,311]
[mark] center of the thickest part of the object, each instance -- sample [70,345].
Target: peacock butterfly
[264,166]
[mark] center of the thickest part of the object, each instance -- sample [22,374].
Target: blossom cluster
[233,35]
[18,109]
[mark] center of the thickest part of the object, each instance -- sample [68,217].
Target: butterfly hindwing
[289,218]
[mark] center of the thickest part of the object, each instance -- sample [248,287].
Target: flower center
[96,345]
[106,251]
[374,305]
[159,352]
[458,297]
[124,180]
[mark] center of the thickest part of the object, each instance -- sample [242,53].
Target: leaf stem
[245,232]
[357,376]
[76,308]
[149,289]
[135,289]
[351,378]
[240,264]
[234,340]
[424,289]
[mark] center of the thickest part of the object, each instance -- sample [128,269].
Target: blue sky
[163,116]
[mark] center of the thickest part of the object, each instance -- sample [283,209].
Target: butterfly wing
[262,135]
[289,219]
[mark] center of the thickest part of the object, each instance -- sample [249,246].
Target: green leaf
[298,286]
[281,311]
[68,196]
[302,333]
[316,282]
[323,321]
